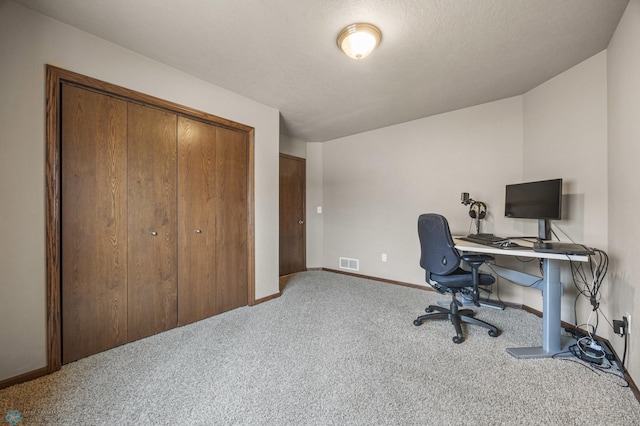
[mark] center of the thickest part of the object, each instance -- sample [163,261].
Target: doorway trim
[55,78]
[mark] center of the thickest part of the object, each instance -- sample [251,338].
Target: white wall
[565,136]
[377,183]
[28,41]
[624,175]
[293,146]
[315,191]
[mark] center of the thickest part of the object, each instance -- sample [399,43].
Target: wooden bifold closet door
[151,207]
[154,211]
[231,219]
[212,199]
[93,222]
[196,229]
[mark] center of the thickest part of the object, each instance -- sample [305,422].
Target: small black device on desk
[494,241]
[562,248]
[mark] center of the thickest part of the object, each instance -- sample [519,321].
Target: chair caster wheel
[417,323]
[457,339]
[494,333]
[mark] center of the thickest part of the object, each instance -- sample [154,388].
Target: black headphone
[478,209]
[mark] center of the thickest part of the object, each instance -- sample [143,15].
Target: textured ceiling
[435,56]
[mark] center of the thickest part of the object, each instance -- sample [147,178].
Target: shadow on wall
[624,292]
[572,223]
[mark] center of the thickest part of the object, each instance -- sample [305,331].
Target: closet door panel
[196,220]
[93,222]
[152,277]
[231,219]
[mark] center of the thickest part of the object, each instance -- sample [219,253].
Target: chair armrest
[478,259]
[475,261]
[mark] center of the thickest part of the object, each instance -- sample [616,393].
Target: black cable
[590,288]
[525,259]
[497,287]
[594,366]
[607,320]
[497,284]
[626,382]
[559,354]
[624,352]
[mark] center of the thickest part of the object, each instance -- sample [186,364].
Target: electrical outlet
[384,257]
[619,327]
[628,323]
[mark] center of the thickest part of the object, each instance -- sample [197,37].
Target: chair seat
[461,279]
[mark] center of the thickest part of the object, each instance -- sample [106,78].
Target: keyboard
[493,241]
[488,238]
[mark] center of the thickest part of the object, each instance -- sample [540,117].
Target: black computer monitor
[540,200]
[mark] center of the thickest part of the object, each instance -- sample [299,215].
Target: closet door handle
[198,231]
[154,233]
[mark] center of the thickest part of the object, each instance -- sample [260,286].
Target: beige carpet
[332,350]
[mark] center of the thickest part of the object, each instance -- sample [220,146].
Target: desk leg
[551,322]
[551,304]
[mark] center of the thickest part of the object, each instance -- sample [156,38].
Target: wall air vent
[350,264]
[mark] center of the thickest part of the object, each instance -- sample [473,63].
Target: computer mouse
[508,244]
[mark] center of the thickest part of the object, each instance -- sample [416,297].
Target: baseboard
[525,308]
[23,377]
[266,299]
[401,283]
[384,280]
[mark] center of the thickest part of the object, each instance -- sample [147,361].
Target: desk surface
[524,252]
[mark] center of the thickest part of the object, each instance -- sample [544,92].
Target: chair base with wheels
[457,317]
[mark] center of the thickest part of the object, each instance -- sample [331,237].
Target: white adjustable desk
[551,293]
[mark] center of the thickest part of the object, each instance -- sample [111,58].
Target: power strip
[608,353]
[586,357]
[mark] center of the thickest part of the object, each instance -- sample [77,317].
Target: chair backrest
[439,255]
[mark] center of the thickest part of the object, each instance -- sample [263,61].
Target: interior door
[232,226]
[93,222]
[152,205]
[292,215]
[196,220]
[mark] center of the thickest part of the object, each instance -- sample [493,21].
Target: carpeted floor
[332,350]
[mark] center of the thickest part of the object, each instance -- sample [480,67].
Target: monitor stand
[544,229]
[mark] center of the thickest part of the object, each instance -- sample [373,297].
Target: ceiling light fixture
[358,40]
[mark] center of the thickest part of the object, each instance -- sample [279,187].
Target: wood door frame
[55,78]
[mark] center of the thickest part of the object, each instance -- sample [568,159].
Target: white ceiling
[435,56]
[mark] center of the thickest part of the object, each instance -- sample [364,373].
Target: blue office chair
[441,261]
